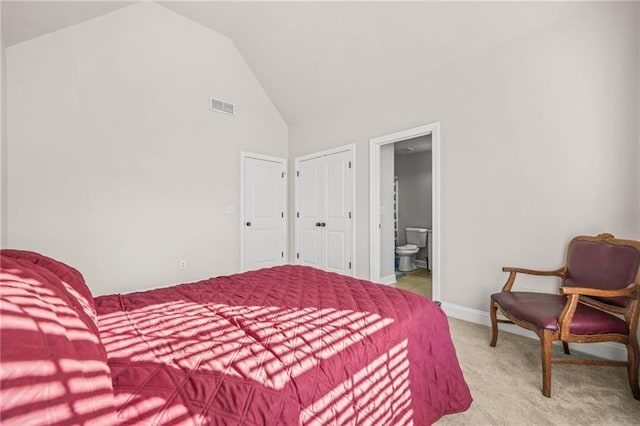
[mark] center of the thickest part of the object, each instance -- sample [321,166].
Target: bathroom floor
[418,281]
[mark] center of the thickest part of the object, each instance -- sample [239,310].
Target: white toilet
[416,239]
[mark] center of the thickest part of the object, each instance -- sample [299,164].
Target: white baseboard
[607,350]
[388,280]
[421,263]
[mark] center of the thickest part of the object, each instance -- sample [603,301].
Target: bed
[289,345]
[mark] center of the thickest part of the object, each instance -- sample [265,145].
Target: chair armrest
[557,272]
[628,291]
[566,316]
[574,294]
[560,273]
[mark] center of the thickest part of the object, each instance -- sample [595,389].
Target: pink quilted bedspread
[280,346]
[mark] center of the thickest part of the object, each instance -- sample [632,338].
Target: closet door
[324,223]
[310,178]
[336,213]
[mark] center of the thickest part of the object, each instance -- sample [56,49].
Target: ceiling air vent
[221,106]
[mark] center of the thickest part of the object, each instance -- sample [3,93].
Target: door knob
[323,224]
[318,224]
[248,223]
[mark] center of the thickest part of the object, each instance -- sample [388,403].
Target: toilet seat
[408,246]
[407,249]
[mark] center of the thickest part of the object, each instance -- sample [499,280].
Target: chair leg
[545,351]
[494,324]
[633,355]
[565,346]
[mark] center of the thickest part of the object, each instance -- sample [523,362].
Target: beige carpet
[505,383]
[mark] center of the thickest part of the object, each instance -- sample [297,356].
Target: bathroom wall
[414,193]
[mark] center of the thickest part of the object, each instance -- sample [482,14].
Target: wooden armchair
[598,302]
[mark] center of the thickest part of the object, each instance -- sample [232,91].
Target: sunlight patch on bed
[296,339]
[382,381]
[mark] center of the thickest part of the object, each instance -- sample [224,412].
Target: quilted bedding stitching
[285,345]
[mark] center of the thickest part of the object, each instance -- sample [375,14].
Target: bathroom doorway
[412,212]
[388,223]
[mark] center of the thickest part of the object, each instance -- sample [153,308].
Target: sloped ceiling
[24,20]
[311,56]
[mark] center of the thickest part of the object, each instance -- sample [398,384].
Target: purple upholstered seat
[544,309]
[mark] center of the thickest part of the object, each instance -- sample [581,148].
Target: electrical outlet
[183,264]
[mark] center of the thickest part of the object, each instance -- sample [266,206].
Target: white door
[324,211]
[263,212]
[310,177]
[337,212]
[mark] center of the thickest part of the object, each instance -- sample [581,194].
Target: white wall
[3,141]
[387,240]
[539,142]
[117,165]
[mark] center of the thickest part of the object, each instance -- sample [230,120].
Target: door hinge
[349,164]
[282,254]
[349,265]
[297,255]
[349,215]
[297,214]
[282,214]
[282,175]
[297,173]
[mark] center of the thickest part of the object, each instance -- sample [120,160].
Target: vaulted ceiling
[310,56]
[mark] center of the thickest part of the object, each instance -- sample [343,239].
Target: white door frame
[285,203]
[374,198]
[297,229]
